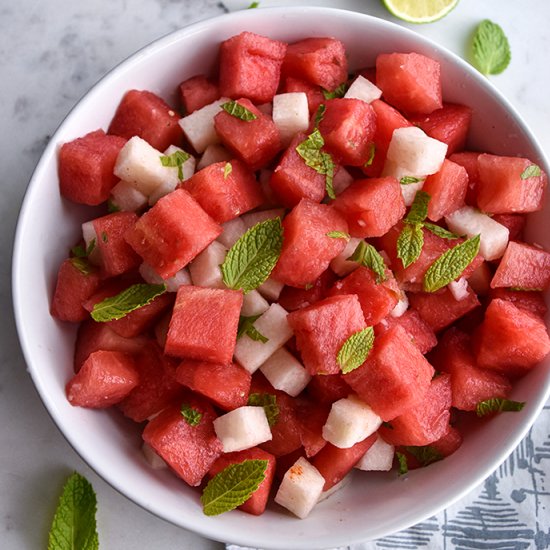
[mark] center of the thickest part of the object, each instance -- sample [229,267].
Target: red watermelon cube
[328,388]
[531,300]
[86,167]
[204,324]
[468,160]
[292,298]
[250,66]
[449,443]
[312,416]
[514,223]
[172,233]
[197,92]
[313,92]
[421,334]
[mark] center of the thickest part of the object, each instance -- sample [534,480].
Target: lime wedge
[420,11]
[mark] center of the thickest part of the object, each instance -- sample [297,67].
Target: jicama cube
[205,268]
[459,289]
[127,198]
[379,458]
[90,240]
[232,231]
[341,265]
[254,304]
[252,218]
[271,289]
[363,89]
[401,306]
[242,428]
[212,154]
[285,372]
[150,276]
[290,114]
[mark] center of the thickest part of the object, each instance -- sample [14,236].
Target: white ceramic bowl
[375,504]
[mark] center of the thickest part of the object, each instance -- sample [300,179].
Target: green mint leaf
[372,152]
[104,237]
[83,265]
[130,299]
[112,207]
[192,416]
[403,467]
[425,455]
[233,486]
[227,169]
[524,289]
[238,111]
[78,251]
[532,171]
[338,235]
[175,160]
[490,48]
[419,208]
[74,523]
[340,91]
[246,326]
[355,350]
[308,286]
[387,425]
[269,402]
[407,180]
[366,255]
[321,162]
[319,114]
[440,231]
[253,5]
[496,405]
[410,243]
[450,265]
[251,259]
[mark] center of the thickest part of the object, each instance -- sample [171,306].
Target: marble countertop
[51,53]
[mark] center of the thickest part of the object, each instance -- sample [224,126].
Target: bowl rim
[210,529]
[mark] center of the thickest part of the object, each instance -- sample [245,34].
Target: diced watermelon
[503,190]
[86,167]
[307,249]
[411,82]
[514,223]
[320,61]
[371,206]
[225,190]
[377,299]
[468,160]
[227,385]
[328,388]
[322,328]
[511,340]
[348,127]
[449,124]
[189,450]
[530,300]
[292,298]
[256,504]
[144,114]
[427,421]
[172,233]
[313,92]
[447,189]
[77,281]
[523,266]
[421,334]
[449,443]
[204,324]
[250,66]
[395,376]
[312,417]
[105,378]
[197,92]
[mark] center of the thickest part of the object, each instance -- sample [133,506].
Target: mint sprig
[366,255]
[402,466]
[175,160]
[74,523]
[532,171]
[238,111]
[490,48]
[83,265]
[269,402]
[410,243]
[419,208]
[340,91]
[372,153]
[246,326]
[496,405]
[338,235]
[233,486]
[250,261]
[440,231]
[355,350]
[407,180]
[319,114]
[425,454]
[80,252]
[227,169]
[191,415]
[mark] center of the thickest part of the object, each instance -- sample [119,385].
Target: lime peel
[420,11]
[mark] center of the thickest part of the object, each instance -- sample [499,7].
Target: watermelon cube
[197,92]
[322,328]
[411,82]
[420,332]
[172,233]
[307,249]
[468,159]
[144,114]
[312,416]
[533,301]
[395,376]
[328,388]
[225,190]
[86,167]
[204,324]
[190,450]
[449,443]
[371,206]
[105,378]
[292,298]
[313,92]
[250,66]
[255,142]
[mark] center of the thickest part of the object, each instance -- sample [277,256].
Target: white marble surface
[51,52]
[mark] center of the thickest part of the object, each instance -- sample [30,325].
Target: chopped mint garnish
[403,467]
[440,231]
[83,265]
[338,235]
[321,162]
[246,326]
[410,243]
[238,111]
[269,402]
[319,114]
[192,416]
[407,180]
[175,160]
[355,350]
[372,152]
[419,208]
[227,169]
[532,171]
[340,91]
[496,405]
[366,255]
[425,455]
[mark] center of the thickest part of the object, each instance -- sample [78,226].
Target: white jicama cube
[242,428]
[253,218]
[273,325]
[152,458]
[140,164]
[150,276]
[232,231]
[493,235]
[127,198]
[290,115]
[90,240]
[254,304]
[342,180]
[379,458]
[415,152]
[285,372]
[459,289]
[199,125]
[335,488]
[350,420]
[401,306]
[301,488]
[271,289]
[341,265]
[408,190]
[213,153]
[205,268]
[362,88]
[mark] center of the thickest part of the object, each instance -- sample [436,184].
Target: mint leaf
[251,259]
[440,231]
[192,416]
[80,252]
[233,486]
[175,160]
[532,171]
[419,208]
[246,326]
[112,207]
[496,405]
[403,467]
[338,235]
[74,523]
[269,402]
[490,48]
[253,5]
[450,265]
[340,91]
[410,243]
[227,169]
[372,152]
[134,297]
[321,162]
[407,180]
[366,255]
[425,455]
[355,350]
[83,265]
[238,111]
[319,114]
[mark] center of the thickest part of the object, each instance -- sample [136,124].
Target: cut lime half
[420,11]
